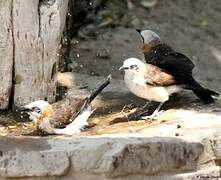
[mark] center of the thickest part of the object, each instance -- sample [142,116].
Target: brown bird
[68,116]
[149,82]
[173,63]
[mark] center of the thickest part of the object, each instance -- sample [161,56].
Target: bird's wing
[65,111]
[154,76]
[171,62]
[185,61]
[175,61]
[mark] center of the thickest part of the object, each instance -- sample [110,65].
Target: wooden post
[36,27]
[6,53]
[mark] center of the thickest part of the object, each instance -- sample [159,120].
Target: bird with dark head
[173,63]
[150,39]
[68,116]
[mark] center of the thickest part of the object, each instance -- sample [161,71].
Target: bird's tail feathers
[99,89]
[89,99]
[206,95]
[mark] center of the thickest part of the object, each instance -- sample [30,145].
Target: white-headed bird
[68,116]
[152,83]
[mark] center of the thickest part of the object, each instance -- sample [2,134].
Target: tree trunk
[6,53]
[35,31]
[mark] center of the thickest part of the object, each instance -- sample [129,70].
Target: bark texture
[33,31]
[6,53]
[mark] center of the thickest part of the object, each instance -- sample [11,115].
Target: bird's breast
[153,93]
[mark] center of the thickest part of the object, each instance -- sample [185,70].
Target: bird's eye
[134,67]
[36,109]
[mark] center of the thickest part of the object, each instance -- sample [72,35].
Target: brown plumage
[154,76]
[65,111]
[149,82]
[67,116]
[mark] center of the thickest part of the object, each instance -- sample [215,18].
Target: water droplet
[22,117]
[74,41]
[90,3]
[78,55]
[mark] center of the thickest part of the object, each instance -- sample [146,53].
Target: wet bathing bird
[152,83]
[68,116]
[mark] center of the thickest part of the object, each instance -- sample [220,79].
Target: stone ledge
[117,156]
[31,164]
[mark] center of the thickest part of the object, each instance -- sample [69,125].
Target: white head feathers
[132,61]
[35,108]
[41,104]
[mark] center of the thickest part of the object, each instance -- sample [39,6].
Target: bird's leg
[145,109]
[156,112]
[142,111]
[145,106]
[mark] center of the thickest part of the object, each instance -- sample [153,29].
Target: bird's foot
[152,116]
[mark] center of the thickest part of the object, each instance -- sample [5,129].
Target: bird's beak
[138,30]
[121,68]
